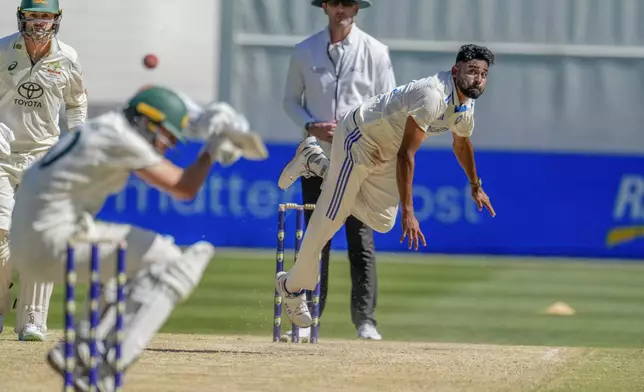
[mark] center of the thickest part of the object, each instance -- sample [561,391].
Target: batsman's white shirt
[73,180]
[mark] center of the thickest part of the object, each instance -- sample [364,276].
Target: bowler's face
[471,77]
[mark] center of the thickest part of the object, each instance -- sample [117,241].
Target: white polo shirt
[432,102]
[31,96]
[318,89]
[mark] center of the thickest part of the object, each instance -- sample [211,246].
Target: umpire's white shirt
[319,89]
[31,95]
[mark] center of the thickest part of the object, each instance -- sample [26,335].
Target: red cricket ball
[150,61]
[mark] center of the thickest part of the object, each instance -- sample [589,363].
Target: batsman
[61,194]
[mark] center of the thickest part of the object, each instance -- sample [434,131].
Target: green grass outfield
[432,298]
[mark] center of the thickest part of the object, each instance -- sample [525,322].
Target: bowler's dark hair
[475,52]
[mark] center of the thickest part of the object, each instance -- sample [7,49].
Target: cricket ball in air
[150,61]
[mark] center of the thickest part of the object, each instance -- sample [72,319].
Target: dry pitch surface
[242,363]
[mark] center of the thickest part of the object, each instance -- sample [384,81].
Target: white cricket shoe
[32,333]
[368,332]
[299,165]
[43,329]
[295,305]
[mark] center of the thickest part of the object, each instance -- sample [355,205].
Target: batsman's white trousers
[356,184]
[44,255]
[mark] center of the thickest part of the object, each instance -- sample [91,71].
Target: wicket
[70,310]
[279,266]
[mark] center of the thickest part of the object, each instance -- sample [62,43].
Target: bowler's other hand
[411,230]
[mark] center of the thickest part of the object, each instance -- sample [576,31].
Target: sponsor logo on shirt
[53,68]
[52,71]
[29,93]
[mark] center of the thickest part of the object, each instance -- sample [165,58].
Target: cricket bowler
[61,194]
[371,169]
[38,75]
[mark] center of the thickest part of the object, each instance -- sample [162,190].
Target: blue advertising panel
[546,204]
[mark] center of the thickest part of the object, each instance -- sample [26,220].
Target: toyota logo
[30,90]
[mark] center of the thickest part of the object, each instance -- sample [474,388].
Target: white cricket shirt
[31,96]
[77,175]
[432,102]
[319,89]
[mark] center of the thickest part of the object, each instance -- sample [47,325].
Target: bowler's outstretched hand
[411,231]
[482,200]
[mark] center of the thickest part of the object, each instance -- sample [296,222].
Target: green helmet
[33,28]
[161,107]
[40,6]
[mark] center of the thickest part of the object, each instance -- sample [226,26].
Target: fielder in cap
[38,75]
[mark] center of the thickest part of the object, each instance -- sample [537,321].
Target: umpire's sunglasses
[346,3]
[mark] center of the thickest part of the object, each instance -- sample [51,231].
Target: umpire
[331,72]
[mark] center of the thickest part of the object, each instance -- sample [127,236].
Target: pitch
[477,324]
[241,363]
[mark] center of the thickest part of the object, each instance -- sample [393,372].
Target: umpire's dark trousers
[362,258]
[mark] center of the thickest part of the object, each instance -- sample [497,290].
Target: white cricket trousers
[11,169]
[354,185]
[44,258]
